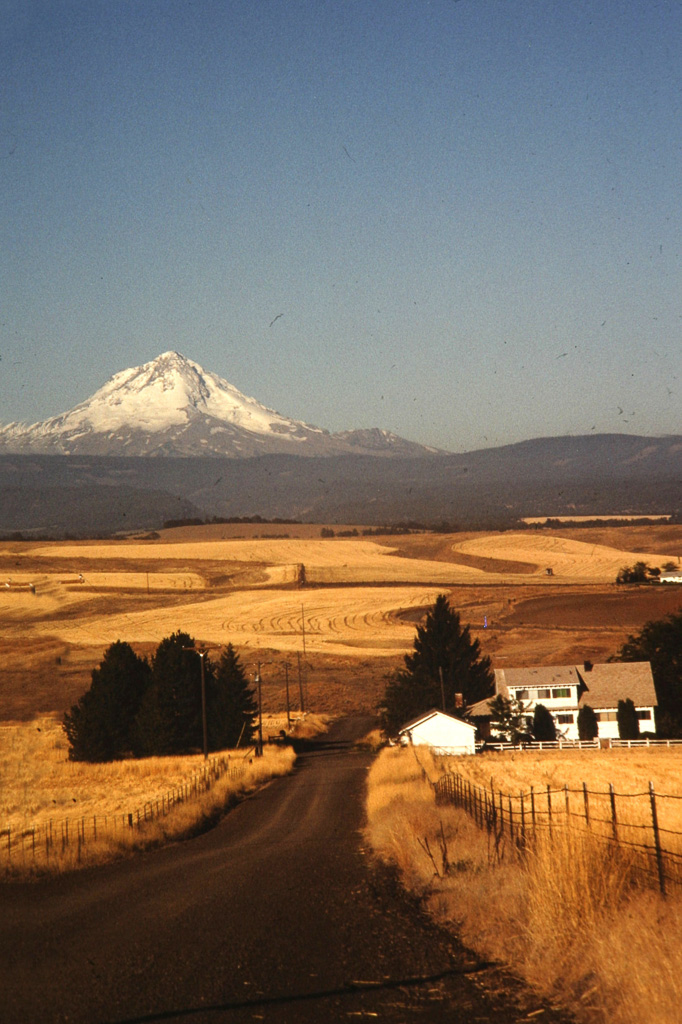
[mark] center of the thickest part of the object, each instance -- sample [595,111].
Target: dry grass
[39,785]
[568,917]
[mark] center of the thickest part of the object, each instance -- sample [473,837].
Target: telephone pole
[202,652]
[286,678]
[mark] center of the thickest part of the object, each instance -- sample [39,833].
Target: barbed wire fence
[640,822]
[46,842]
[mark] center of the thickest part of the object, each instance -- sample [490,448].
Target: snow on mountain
[172,406]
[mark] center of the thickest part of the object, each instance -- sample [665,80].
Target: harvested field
[360,600]
[570,560]
[334,621]
[663,540]
[326,561]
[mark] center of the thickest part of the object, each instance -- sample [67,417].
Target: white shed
[443,733]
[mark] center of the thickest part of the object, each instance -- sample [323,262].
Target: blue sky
[465,216]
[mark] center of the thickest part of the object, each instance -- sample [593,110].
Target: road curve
[277,914]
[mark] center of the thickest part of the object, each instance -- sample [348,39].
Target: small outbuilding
[443,733]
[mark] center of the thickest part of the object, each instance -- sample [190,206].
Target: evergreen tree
[544,729]
[508,716]
[660,642]
[443,649]
[628,723]
[232,705]
[100,726]
[169,720]
[588,726]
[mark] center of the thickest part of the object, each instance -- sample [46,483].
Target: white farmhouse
[564,689]
[443,733]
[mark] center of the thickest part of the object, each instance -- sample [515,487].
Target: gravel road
[278,914]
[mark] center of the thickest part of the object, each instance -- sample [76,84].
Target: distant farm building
[564,689]
[444,734]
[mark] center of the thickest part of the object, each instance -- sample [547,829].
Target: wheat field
[351,620]
[357,599]
[571,561]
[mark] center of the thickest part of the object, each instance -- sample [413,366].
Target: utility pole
[300,681]
[260,707]
[202,652]
[303,629]
[286,678]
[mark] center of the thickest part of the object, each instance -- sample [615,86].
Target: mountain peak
[172,406]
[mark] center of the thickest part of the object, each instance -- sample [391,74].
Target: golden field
[572,920]
[44,794]
[346,607]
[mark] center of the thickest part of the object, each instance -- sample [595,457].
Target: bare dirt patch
[618,607]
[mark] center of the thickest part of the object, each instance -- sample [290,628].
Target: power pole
[286,678]
[300,681]
[202,652]
[260,707]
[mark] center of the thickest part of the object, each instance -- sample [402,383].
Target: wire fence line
[51,839]
[642,823]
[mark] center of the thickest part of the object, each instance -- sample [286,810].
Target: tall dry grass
[39,785]
[568,916]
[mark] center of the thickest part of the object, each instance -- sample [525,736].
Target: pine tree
[443,649]
[588,725]
[544,729]
[232,705]
[628,723]
[169,720]
[509,716]
[101,725]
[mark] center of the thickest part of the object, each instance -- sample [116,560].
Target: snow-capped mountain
[171,406]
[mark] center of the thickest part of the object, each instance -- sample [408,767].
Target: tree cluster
[445,662]
[640,572]
[137,708]
[660,642]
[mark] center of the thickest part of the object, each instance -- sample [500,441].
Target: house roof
[433,713]
[602,686]
[606,684]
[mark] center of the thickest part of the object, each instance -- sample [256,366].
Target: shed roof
[433,713]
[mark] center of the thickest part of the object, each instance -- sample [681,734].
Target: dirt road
[275,915]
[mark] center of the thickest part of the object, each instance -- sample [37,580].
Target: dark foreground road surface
[275,915]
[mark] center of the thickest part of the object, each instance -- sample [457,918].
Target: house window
[522,694]
[565,719]
[646,714]
[544,694]
[607,716]
[561,691]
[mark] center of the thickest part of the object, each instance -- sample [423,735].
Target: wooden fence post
[549,808]
[587,805]
[657,840]
[614,820]
[568,808]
